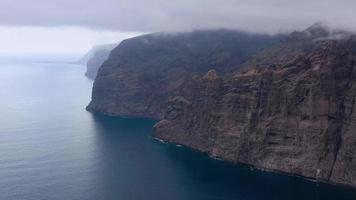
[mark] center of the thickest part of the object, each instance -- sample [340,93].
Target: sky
[55,40]
[75,25]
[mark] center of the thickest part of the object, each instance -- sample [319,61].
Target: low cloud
[269,16]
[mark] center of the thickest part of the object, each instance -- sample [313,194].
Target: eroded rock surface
[297,116]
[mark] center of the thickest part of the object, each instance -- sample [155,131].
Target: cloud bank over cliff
[74,25]
[161,15]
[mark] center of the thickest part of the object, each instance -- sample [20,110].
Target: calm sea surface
[52,148]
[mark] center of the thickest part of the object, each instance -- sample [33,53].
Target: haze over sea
[52,148]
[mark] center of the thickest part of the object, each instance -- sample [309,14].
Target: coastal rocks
[297,117]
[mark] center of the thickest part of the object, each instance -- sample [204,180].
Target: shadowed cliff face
[297,116]
[143,73]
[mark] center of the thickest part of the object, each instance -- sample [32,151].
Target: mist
[271,16]
[75,26]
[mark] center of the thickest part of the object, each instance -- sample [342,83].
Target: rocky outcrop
[296,116]
[143,73]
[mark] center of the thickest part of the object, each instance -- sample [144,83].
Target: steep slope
[142,73]
[292,110]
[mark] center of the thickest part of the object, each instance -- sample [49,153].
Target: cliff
[296,116]
[95,62]
[277,103]
[144,72]
[95,57]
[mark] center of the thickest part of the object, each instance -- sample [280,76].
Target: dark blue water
[51,148]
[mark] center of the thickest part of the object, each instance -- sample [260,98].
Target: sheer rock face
[297,117]
[143,73]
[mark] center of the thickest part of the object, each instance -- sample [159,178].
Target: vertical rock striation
[297,116]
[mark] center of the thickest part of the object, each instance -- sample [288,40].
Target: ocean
[51,148]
